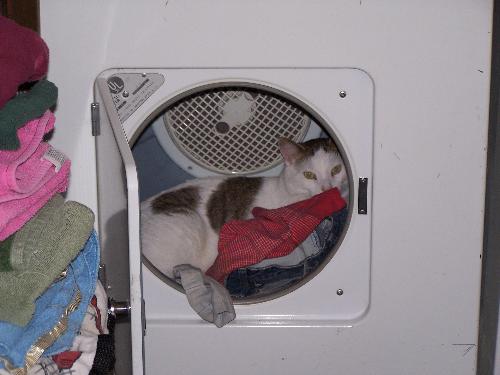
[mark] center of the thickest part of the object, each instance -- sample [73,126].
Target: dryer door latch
[362,196]
[95,119]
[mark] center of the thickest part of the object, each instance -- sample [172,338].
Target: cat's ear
[331,145]
[290,150]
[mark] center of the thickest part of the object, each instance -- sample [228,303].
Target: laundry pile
[274,274]
[272,233]
[53,310]
[261,256]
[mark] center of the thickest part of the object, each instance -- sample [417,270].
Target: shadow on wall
[489,335]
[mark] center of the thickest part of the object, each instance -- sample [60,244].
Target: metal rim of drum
[236,149]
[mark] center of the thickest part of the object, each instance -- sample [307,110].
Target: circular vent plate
[234,131]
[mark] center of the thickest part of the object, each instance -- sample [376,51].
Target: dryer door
[118,215]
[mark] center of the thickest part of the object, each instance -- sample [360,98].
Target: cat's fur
[181,225]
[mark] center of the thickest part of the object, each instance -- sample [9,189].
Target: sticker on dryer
[130,90]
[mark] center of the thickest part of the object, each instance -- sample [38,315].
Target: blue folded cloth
[59,312]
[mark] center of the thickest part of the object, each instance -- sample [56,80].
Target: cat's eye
[310,175]
[336,169]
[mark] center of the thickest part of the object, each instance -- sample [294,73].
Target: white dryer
[341,103]
[402,88]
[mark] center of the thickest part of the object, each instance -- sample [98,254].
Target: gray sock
[209,299]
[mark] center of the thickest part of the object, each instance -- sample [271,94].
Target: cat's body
[181,225]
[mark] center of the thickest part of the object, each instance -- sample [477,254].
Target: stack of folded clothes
[51,301]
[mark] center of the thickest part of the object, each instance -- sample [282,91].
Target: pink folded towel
[15,213]
[24,57]
[25,170]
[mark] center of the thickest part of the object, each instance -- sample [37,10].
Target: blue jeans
[252,282]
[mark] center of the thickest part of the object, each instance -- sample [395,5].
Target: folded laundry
[77,360]
[39,252]
[24,107]
[209,299]
[80,358]
[273,233]
[5,254]
[24,170]
[58,315]
[80,361]
[24,57]
[15,213]
[97,313]
[277,274]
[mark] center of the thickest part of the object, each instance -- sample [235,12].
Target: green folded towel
[39,252]
[5,246]
[23,108]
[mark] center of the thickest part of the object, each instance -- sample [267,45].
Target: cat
[181,225]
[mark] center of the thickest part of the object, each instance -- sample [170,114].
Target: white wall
[430,64]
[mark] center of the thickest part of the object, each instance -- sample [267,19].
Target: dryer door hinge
[95,119]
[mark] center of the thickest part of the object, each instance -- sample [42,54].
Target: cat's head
[313,167]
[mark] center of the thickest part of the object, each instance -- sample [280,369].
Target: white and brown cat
[181,225]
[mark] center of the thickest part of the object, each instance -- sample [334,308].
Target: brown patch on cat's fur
[310,147]
[232,200]
[181,201]
[296,152]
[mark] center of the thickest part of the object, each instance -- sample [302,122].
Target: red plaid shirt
[273,233]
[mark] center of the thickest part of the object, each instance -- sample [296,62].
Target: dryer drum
[234,130]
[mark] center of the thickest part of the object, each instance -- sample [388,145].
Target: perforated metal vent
[234,131]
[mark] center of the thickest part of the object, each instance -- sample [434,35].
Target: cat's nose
[325,187]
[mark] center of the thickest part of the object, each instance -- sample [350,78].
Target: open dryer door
[118,217]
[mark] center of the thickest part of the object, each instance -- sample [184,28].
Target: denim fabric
[15,341]
[253,281]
